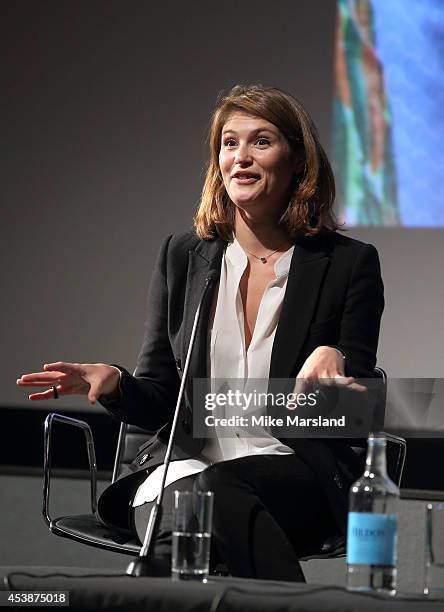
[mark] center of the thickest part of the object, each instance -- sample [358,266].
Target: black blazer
[334,296]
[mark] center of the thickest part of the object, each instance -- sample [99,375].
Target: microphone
[142,565]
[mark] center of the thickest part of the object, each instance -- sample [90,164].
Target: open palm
[91,379]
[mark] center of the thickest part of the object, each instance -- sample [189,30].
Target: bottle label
[371,538]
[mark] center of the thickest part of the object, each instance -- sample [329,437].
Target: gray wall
[411,342]
[104,151]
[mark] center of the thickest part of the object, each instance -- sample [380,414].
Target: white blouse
[229,359]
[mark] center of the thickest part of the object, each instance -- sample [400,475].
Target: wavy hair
[310,206]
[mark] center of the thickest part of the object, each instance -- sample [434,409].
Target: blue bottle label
[371,538]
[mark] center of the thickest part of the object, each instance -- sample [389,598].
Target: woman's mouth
[245,178]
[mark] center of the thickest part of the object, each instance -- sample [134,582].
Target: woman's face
[257,164]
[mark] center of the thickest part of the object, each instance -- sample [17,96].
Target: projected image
[388,124]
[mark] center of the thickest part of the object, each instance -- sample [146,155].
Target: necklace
[264,258]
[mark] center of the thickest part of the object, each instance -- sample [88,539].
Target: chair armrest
[120,450]
[49,421]
[402,451]
[395,439]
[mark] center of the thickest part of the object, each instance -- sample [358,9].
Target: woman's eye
[261,142]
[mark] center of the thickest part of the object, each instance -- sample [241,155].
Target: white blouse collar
[236,256]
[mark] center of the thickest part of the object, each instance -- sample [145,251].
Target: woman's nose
[242,154]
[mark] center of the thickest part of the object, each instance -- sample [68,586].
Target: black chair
[89,529]
[335,546]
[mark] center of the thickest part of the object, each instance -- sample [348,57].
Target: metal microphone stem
[142,565]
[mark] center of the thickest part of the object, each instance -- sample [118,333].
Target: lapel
[307,269]
[205,257]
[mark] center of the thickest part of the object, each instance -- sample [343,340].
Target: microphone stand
[142,565]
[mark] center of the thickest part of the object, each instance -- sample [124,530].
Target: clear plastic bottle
[373,524]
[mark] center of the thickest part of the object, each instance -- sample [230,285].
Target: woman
[295,300]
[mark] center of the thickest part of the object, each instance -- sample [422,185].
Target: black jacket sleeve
[364,303]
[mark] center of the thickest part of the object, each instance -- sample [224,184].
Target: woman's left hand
[326,366]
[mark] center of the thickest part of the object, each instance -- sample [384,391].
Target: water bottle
[373,524]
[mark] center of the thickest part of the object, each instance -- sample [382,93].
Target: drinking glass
[434,553]
[193,514]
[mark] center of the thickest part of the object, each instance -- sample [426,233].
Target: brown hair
[309,209]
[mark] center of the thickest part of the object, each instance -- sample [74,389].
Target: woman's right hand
[91,379]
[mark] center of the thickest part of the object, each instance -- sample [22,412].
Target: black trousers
[269,510]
